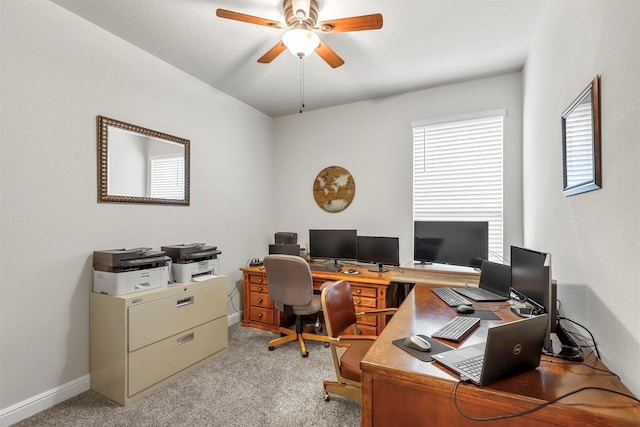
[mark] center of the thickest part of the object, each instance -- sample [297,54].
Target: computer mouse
[352,271]
[416,342]
[464,309]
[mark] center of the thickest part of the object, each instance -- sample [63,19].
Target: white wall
[373,140]
[593,237]
[58,73]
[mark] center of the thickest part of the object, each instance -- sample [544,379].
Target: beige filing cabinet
[143,340]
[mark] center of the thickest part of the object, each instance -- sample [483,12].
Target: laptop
[510,348]
[494,285]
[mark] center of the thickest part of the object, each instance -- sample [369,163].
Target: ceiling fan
[301,17]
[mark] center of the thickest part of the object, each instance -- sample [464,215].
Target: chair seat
[303,310]
[350,360]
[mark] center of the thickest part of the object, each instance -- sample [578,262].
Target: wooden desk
[400,390]
[370,290]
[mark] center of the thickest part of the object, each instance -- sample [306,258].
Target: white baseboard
[234,318]
[48,399]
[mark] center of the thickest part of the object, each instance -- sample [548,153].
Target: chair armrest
[377,312]
[351,339]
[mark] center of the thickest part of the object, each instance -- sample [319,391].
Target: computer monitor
[333,244]
[451,242]
[531,278]
[379,250]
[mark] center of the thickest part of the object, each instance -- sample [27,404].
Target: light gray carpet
[246,386]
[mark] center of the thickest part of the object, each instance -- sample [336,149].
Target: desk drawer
[362,303]
[153,363]
[258,279]
[260,299]
[263,315]
[259,287]
[359,291]
[164,317]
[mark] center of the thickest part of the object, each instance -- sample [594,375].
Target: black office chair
[290,287]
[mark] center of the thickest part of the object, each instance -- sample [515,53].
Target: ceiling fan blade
[355,23]
[272,53]
[330,57]
[236,16]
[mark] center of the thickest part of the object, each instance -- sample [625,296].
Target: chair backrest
[337,305]
[289,279]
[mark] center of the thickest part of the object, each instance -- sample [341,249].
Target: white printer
[123,271]
[193,262]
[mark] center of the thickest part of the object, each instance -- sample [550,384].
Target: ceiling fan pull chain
[301,84]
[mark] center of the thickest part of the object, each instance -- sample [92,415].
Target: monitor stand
[564,347]
[380,269]
[422,263]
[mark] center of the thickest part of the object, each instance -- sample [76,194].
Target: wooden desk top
[425,275]
[423,312]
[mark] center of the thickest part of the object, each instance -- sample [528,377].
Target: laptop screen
[496,278]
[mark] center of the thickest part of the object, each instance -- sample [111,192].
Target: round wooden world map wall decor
[334,189]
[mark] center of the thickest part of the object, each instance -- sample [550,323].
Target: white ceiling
[423,43]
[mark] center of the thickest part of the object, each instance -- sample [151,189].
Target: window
[457,172]
[167,178]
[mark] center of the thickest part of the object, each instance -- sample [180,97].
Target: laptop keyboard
[471,367]
[457,328]
[451,297]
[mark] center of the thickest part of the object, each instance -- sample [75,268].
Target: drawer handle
[261,280]
[260,315]
[358,291]
[357,301]
[184,301]
[185,339]
[260,288]
[260,300]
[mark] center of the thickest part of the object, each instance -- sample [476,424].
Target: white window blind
[579,160]
[457,172]
[167,178]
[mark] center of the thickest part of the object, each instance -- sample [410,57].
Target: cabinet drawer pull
[260,288]
[185,338]
[260,300]
[358,301]
[260,315]
[358,291]
[184,301]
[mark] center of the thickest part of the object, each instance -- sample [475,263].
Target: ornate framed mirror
[139,165]
[581,160]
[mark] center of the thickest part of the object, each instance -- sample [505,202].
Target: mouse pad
[482,314]
[425,356]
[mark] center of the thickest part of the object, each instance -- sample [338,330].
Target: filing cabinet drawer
[260,299]
[158,319]
[262,315]
[153,363]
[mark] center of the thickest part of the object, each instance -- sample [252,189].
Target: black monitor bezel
[393,260]
[345,234]
[421,256]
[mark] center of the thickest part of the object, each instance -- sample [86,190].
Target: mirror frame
[592,92]
[103,124]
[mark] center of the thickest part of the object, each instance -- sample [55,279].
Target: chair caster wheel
[327,345]
[271,348]
[326,396]
[305,354]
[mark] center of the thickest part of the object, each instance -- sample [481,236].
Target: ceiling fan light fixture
[300,42]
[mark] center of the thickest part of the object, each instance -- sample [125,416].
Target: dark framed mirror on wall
[139,165]
[581,158]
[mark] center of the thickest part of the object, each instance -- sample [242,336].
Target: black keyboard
[451,297]
[457,328]
[332,268]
